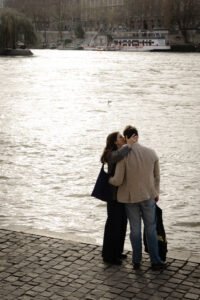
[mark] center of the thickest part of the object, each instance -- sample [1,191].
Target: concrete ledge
[69,236]
[179,255]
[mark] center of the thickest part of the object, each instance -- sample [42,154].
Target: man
[138,178]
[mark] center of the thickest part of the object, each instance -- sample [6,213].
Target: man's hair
[129,131]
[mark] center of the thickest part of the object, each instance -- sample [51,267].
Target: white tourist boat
[141,41]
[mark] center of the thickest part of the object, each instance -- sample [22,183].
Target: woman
[116,223]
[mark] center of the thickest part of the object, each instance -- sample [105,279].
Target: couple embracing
[135,178]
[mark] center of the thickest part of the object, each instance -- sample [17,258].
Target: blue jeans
[146,211]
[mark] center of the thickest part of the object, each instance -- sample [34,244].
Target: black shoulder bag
[102,189]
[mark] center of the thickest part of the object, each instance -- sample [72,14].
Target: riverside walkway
[44,268]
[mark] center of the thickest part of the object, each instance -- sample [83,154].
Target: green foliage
[79,32]
[67,41]
[110,38]
[15,27]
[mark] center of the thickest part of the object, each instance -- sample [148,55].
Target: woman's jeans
[146,211]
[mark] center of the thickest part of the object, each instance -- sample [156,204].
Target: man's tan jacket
[137,175]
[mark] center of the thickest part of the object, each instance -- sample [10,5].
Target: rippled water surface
[56,109]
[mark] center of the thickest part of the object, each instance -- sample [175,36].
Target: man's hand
[157,199]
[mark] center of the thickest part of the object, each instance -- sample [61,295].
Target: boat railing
[142,34]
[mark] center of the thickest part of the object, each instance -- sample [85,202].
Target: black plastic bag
[161,235]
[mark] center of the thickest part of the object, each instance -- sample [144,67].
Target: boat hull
[145,49]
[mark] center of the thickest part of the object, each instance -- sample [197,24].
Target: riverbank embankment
[15,52]
[39,267]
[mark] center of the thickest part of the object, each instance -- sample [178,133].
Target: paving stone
[127,294]
[165,289]
[56,297]
[83,290]
[176,295]
[19,292]
[143,295]
[25,297]
[78,295]
[104,287]
[8,288]
[162,294]
[45,285]
[133,290]
[191,296]
[11,278]
[122,286]
[46,294]
[157,297]
[152,285]
[26,278]
[115,290]
[17,283]
[188,283]
[195,291]
[180,276]
[179,290]
[90,286]
[175,280]
[39,289]
[148,291]
[111,296]
[184,287]
[39,297]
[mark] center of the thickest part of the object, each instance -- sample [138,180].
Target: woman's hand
[132,140]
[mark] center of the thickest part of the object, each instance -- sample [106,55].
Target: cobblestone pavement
[41,268]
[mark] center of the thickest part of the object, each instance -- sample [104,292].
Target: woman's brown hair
[110,146]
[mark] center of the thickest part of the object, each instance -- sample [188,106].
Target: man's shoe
[136,266]
[158,267]
[117,262]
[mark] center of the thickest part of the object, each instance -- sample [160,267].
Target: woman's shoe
[117,262]
[123,256]
[136,266]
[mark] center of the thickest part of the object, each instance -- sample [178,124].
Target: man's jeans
[145,210]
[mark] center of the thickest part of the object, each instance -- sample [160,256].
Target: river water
[56,109]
